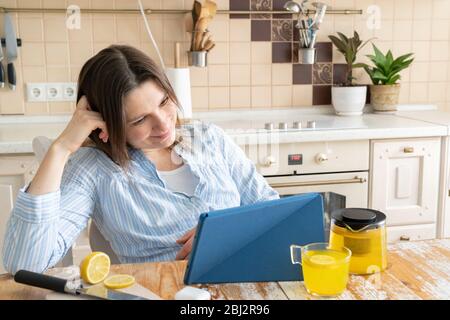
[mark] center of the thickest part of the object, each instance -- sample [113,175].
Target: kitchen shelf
[165,11]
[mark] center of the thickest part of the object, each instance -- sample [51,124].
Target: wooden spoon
[212,8]
[200,29]
[209,45]
[206,36]
[204,12]
[196,10]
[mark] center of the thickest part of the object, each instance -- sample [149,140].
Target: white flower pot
[349,101]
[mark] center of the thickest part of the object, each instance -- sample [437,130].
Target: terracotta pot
[384,98]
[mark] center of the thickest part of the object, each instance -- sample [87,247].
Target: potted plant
[348,98]
[385,75]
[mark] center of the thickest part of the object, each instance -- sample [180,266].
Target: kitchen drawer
[309,157]
[411,233]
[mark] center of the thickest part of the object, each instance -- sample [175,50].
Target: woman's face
[151,117]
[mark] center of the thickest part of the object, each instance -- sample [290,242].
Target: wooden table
[416,270]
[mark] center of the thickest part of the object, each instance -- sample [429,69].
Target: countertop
[430,116]
[247,126]
[416,270]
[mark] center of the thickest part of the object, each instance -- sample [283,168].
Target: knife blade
[11,50]
[65,286]
[2,70]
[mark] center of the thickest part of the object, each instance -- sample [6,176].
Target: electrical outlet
[36,92]
[54,92]
[70,91]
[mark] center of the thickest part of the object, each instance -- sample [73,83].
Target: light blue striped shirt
[134,210]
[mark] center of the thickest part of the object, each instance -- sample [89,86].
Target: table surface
[416,270]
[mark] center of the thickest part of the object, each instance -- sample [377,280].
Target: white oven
[340,167]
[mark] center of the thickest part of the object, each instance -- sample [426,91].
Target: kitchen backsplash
[255,61]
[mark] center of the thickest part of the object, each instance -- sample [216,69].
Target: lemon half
[119,281]
[322,259]
[95,267]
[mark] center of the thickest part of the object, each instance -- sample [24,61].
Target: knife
[11,50]
[65,286]
[2,71]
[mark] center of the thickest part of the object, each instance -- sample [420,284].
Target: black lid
[358,218]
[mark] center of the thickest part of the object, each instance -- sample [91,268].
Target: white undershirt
[180,180]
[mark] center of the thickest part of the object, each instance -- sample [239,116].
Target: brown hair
[106,79]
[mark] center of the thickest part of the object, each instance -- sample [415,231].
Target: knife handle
[2,76]
[12,76]
[40,280]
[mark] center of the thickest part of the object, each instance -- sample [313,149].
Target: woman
[145,180]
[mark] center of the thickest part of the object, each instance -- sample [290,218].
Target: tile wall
[255,62]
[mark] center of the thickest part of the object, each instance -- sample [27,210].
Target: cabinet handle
[318,183]
[408,150]
[405,238]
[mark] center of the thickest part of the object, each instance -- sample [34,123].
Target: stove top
[315,123]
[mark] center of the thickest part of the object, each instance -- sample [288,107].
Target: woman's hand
[187,241]
[83,122]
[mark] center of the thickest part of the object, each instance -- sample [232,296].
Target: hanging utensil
[321,9]
[2,71]
[11,50]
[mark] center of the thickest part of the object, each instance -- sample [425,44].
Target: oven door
[352,185]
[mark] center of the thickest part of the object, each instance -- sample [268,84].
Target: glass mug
[325,270]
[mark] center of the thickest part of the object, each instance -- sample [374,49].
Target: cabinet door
[6,204]
[15,172]
[405,180]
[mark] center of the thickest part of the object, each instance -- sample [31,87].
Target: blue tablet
[251,243]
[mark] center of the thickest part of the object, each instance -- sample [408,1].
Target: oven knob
[311,124]
[269,126]
[321,158]
[282,126]
[269,161]
[297,125]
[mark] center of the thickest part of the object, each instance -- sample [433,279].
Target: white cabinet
[405,183]
[411,233]
[15,172]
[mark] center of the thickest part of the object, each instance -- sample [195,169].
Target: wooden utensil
[206,36]
[212,8]
[177,55]
[196,10]
[209,45]
[204,12]
[200,29]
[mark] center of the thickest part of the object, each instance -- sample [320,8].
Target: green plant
[349,47]
[386,69]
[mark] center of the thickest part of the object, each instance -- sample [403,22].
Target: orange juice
[325,272]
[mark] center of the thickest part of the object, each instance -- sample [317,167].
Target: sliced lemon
[119,281]
[95,267]
[322,259]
